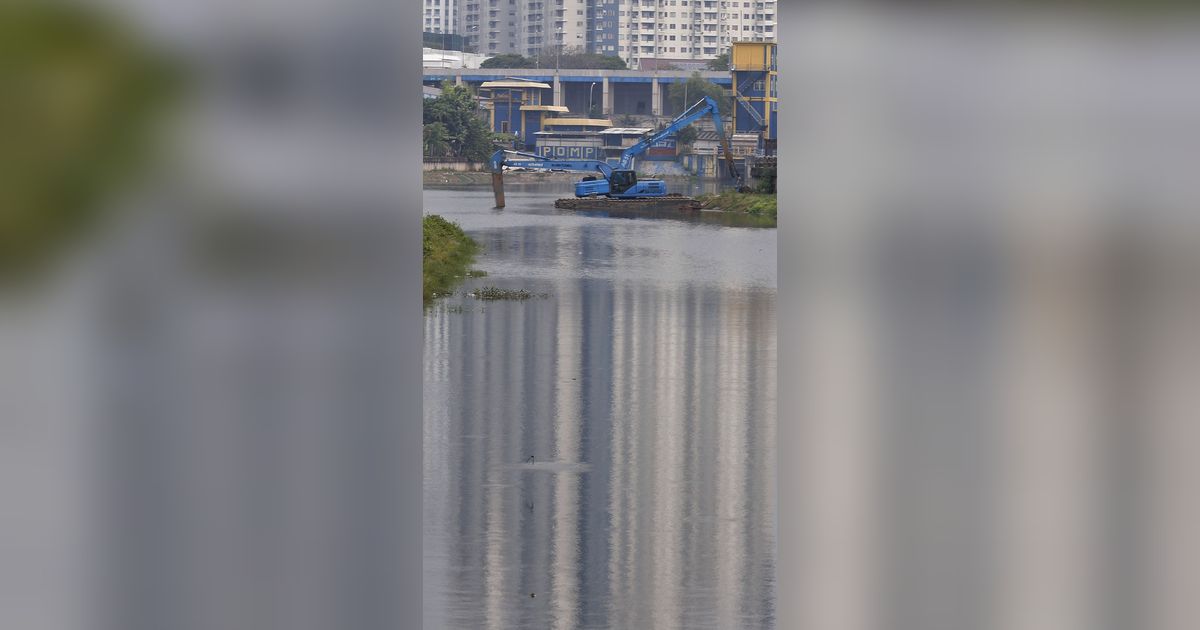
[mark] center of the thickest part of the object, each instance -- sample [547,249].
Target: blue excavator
[620,182]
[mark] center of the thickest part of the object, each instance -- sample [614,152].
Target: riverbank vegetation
[447,253]
[760,204]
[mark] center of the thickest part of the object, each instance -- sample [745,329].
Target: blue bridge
[612,92]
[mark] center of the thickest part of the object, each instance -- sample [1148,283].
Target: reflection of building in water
[664,396]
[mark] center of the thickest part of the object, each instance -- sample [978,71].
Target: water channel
[601,455]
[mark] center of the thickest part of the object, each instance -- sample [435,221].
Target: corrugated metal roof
[513,84]
[628,130]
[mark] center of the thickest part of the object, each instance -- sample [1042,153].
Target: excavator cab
[622,181]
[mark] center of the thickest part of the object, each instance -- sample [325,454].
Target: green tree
[720,62]
[766,183]
[627,120]
[507,61]
[467,135]
[696,88]
[568,59]
[507,140]
[434,135]
[686,136]
[576,59]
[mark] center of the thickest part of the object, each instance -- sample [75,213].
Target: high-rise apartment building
[525,27]
[631,29]
[690,29]
[441,16]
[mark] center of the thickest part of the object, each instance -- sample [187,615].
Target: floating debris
[495,293]
[476,273]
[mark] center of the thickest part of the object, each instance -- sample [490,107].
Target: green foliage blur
[766,182]
[686,136]
[507,61]
[626,120]
[79,96]
[571,59]
[720,62]
[447,252]
[434,139]
[696,88]
[463,133]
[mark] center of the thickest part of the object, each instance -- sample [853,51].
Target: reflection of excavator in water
[621,182]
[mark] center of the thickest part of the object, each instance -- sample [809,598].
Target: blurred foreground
[989,266]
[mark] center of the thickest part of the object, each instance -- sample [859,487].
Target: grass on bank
[447,253]
[760,204]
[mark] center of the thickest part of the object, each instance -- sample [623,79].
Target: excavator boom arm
[500,159]
[703,107]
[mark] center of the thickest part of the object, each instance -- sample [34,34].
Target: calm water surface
[643,387]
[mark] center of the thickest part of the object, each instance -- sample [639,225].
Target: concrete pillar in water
[498,188]
[606,99]
[655,97]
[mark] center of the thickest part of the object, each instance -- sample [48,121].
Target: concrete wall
[461,167]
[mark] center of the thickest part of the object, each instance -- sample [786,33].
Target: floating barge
[666,203]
